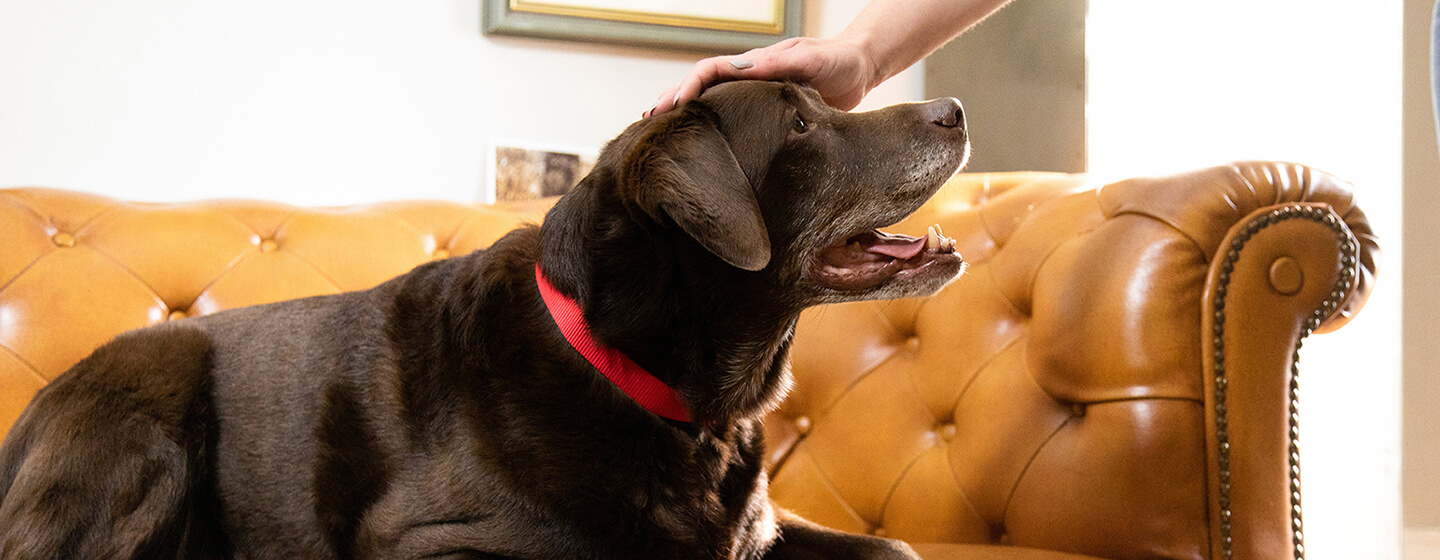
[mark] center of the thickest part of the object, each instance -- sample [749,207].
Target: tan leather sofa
[1115,376]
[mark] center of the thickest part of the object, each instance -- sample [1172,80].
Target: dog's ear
[682,166]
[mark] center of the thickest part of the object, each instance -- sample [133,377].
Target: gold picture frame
[713,27]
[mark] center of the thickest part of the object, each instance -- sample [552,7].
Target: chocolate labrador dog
[591,388]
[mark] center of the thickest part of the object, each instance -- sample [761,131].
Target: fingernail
[742,64]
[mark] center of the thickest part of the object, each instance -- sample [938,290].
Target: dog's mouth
[869,259]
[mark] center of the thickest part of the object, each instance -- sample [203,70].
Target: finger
[706,73]
[709,72]
[788,63]
[759,64]
[664,103]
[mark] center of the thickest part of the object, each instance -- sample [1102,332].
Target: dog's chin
[878,265]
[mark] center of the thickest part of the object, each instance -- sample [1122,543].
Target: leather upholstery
[1112,376]
[77,269]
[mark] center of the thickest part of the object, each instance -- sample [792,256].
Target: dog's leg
[803,540]
[104,462]
[104,502]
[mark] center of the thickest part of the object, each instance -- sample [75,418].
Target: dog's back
[119,457]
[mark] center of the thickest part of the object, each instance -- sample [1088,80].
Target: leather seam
[825,411]
[23,270]
[33,370]
[965,495]
[239,257]
[890,494]
[830,486]
[955,405]
[1010,497]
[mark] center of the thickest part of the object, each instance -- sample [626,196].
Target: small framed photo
[712,27]
[521,171]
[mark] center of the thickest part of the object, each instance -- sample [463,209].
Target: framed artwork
[725,26]
[521,171]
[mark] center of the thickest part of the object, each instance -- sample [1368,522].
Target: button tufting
[879,532]
[1286,276]
[63,239]
[177,315]
[913,344]
[802,425]
[440,254]
[946,431]
[268,245]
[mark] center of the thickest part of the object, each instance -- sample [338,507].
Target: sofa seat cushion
[991,552]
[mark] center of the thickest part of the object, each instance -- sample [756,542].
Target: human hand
[839,70]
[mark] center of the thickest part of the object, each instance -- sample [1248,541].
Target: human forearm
[898,33]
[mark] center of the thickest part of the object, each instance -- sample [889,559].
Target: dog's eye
[800,126]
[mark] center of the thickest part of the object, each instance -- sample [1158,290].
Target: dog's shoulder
[477,276]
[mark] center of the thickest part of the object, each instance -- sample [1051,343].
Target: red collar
[651,393]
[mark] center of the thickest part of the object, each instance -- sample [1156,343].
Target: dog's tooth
[939,231]
[932,241]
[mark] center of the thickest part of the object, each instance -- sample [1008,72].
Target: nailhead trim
[1345,282]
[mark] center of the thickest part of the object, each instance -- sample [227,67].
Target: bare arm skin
[885,38]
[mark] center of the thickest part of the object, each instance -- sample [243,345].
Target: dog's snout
[946,112]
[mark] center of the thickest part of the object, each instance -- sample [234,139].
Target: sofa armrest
[1301,260]
[1061,395]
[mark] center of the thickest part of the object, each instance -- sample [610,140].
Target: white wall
[307,101]
[1177,85]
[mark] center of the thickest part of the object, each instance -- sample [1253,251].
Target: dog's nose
[945,112]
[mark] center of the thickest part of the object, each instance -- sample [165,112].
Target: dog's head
[701,234]
[769,179]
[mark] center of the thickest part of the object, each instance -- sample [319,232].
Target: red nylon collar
[646,389]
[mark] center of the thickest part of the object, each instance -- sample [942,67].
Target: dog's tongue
[896,246]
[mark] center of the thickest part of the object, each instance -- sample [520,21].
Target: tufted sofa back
[77,269]
[1061,395]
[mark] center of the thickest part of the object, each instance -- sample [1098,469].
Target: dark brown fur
[442,415]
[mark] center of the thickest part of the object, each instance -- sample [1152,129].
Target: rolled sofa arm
[1268,280]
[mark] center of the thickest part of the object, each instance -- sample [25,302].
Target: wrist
[867,47]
